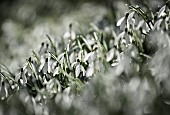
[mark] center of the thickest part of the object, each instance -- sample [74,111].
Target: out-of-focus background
[25,23]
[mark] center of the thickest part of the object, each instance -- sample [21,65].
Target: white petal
[110,55]
[61,56]
[123,25]
[73,35]
[87,56]
[114,64]
[17,77]
[72,57]
[45,68]
[119,22]
[90,70]
[121,35]
[167,102]
[157,24]
[73,64]
[131,15]
[95,36]
[56,71]
[48,67]
[67,90]
[41,66]
[83,70]
[161,11]
[134,84]
[24,77]
[3,92]
[66,35]
[77,70]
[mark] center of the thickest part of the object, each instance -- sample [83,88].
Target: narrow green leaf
[52,44]
[36,56]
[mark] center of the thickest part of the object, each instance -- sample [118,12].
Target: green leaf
[52,44]
[36,56]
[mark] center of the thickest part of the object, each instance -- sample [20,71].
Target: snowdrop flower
[42,49]
[28,68]
[161,12]
[125,37]
[143,27]
[146,26]
[3,90]
[72,57]
[90,57]
[77,70]
[126,21]
[70,34]
[90,70]
[21,76]
[162,23]
[56,71]
[47,48]
[44,67]
[44,79]
[53,86]
[110,55]
[157,24]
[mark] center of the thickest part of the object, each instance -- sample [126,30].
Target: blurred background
[25,23]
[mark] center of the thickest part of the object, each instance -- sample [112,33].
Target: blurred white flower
[3,90]
[110,55]
[42,49]
[70,34]
[90,70]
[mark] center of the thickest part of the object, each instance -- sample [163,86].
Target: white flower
[21,76]
[161,12]
[42,49]
[126,21]
[157,24]
[3,90]
[88,56]
[72,57]
[110,55]
[70,34]
[77,70]
[125,38]
[45,66]
[120,21]
[90,70]
[56,71]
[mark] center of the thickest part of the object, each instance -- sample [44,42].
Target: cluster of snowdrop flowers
[136,19]
[8,85]
[137,23]
[50,72]
[162,18]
